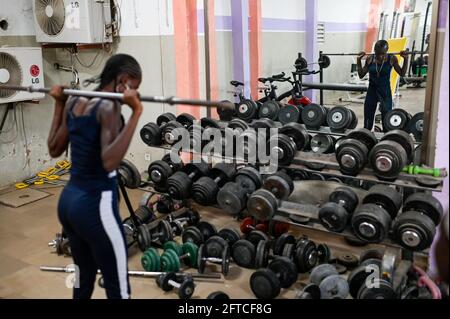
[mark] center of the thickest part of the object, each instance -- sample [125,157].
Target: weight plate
[192,234]
[387,159]
[220,295]
[404,139]
[351,156]
[324,61]
[249,178]
[144,215]
[232,198]
[165,118]
[426,204]
[243,253]
[427,181]
[204,191]
[151,134]
[320,272]
[323,253]
[286,271]
[215,246]
[396,119]
[143,238]
[255,236]
[339,118]
[276,229]
[341,269]
[288,251]
[150,260]
[382,290]
[289,114]
[269,110]
[207,122]
[298,133]
[231,235]
[262,254]
[201,259]
[354,122]
[238,124]
[265,284]
[186,119]
[416,126]
[357,278]
[247,110]
[314,116]
[279,185]
[262,205]
[170,261]
[172,132]
[414,231]
[281,241]
[226,261]
[130,174]
[159,171]
[208,230]
[186,289]
[322,144]
[371,223]
[301,63]
[385,196]
[333,217]
[282,149]
[334,286]
[173,246]
[365,136]
[346,196]
[305,255]
[164,231]
[315,166]
[226,114]
[348,260]
[371,254]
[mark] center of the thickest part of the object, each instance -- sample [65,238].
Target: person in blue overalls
[379,66]
[88,207]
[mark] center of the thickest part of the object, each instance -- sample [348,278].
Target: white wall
[283,9]
[348,11]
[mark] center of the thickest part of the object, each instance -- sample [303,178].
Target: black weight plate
[151,134]
[322,144]
[298,133]
[165,231]
[306,255]
[354,122]
[247,110]
[396,119]
[262,205]
[341,269]
[209,122]
[208,230]
[179,186]
[265,284]
[249,178]
[220,295]
[313,290]
[243,253]
[255,236]
[225,171]
[231,235]
[215,246]
[284,150]
[426,204]
[365,136]
[416,126]
[357,278]
[323,253]
[348,260]
[226,260]
[351,156]
[324,61]
[165,118]
[192,234]
[404,139]
[201,258]
[387,160]
[186,119]
[315,166]
[334,286]
[333,217]
[143,237]
[269,109]
[285,270]
[226,114]
[320,272]
[371,223]
[288,251]
[427,181]
[385,196]
[130,171]
[232,198]
[347,195]
[301,63]
[262,254]
[414,231]
[383,290]
[339,118]
[289,114]
[314,116]
[281,242]
[159,172]
[278,186]
[238,124]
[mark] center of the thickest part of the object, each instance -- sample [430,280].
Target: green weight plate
[173,246]
[192,250]
[150,260]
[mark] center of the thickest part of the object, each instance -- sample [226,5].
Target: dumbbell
[331,285]
[303,253]
[155,232]
[394,151]
[203,259]
[280,184]
[415,227]
[396,119]
[290,114]
[151,133]
[172,130]
[231,235]
[179,185]
[166,204]
[311,291]
[205,189]
[61,244]
[198,234]
[247,109]
[322,144]
[291,138]
[249,224]
[372,220]
[226,114]
[352,152]
[314,116]
[184,285]
[232,197]
[181,219]
[159,171]
[144,215]
[418,170]
[128,175]
[416,126]
[335,214]
[243,252]
[340,118]
[174,254]
[269,109]
[266,283]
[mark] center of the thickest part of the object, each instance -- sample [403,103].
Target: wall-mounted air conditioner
[20,66]
[69,21]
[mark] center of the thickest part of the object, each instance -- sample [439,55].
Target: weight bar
[134,273]
[119,96]
[356,54]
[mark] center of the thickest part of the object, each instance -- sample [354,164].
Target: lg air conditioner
[69,21]
[20,66]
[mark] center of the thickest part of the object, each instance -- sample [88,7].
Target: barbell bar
[134,273]
[119,96]
[356,54]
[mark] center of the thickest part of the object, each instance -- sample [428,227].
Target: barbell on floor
[119,96]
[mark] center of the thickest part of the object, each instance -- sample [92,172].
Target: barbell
[119,96]
[356,54]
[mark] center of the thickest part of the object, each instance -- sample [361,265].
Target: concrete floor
[25,232]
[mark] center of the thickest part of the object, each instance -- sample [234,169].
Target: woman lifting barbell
[379,67]
[88,208]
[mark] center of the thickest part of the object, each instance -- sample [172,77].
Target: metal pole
[321,77]
[119,96]
[207,54]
